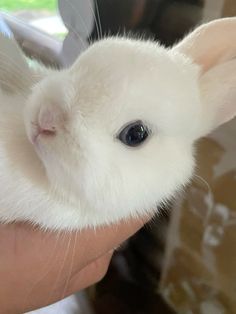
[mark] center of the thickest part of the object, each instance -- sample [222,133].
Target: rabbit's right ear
[15,73]
[213,47]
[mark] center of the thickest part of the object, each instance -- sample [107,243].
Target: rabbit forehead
[142,81]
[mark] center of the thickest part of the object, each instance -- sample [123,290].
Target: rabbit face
[115,132]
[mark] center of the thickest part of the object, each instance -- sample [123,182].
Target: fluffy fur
[78,174]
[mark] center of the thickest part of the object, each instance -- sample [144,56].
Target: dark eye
[134,134]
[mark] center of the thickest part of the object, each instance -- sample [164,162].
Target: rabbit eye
[134,134]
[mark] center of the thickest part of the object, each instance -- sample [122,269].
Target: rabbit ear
[213,47]
[218,91]
[15,73]
[211,43]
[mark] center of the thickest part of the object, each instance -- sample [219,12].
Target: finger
[91,274]
[23,239]
[40,251]
[96,242]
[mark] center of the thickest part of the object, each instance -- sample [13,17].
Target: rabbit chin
[93,203]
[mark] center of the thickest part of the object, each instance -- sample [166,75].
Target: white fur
[83,175]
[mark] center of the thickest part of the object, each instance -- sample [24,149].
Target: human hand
[38,268]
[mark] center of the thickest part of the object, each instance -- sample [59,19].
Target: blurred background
[87,20]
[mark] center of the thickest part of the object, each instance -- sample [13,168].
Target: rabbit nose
[47,122]
[50,120]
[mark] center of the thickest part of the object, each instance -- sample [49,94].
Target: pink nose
[49,120]
[46,131]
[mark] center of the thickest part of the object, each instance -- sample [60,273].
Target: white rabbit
[112,136]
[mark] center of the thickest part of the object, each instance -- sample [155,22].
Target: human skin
[38,268]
